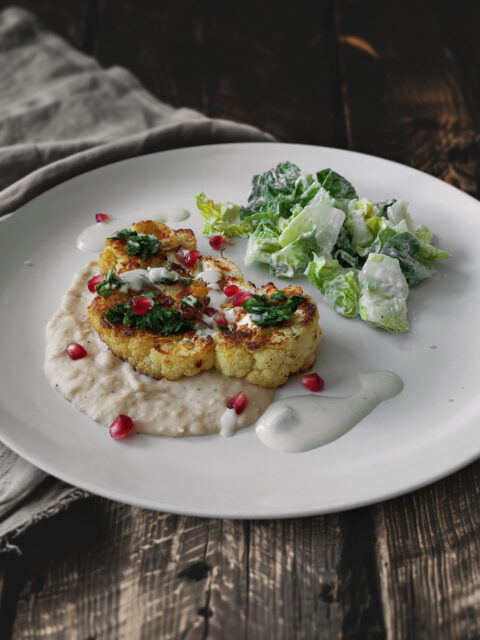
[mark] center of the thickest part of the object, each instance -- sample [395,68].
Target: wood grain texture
[415,101]
[244,61]
[106,570]
[428,554]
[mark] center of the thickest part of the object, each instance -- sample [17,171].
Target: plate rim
[224,512]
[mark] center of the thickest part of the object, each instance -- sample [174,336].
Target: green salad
[363,256]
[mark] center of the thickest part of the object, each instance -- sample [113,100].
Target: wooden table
[394,79]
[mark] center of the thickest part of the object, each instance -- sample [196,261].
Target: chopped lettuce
[338,285]
[383,294]
[261,244]
[322,218]
[335,184]
[362,255]
[222,218]
[293,259]
[272,191]
[359,213]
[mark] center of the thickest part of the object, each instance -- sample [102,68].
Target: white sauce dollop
[228,422]
[306,422]
[135,280]
[92,239]
[210,276]
[217,299]
[159,273]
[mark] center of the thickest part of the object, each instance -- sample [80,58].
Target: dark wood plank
[409,83]
[429,559]
[411,94]
[249,61]
[106,570]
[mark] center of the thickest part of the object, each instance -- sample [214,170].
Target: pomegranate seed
[313,382]
[102,217]
[238,402]
[210,311]
[220,319]
[216,242]
[121,426]
[76,351]
[140,306]
[191,258]
[180,255]
[231,290]
[240,298]
[92,283]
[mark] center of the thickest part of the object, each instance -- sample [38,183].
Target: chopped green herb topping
[190,301]
[168,322]
[142,245]
[279,295]
[186,281]
[267,313]
[108,284]
[223,327]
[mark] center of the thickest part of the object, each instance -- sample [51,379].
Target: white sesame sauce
[217,299]
[135,280]
[103,386]
[210,276]
[228,422]
[92,239]
[303,423]
[161,273]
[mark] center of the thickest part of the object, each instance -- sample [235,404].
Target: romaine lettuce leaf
[339,286]
[335,184]
[320,217]
[293,259]
[359,212]
[272,191]
[382,207]
[344,252]
[383,294]
[416,258]
[261,244]
[223,218]
[397,212]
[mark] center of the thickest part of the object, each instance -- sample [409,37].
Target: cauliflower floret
[268,356]
[114,256]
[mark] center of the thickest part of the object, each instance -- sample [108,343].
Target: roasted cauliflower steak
[188,313]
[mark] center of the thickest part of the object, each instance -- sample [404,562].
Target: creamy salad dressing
[92,239]
[103,386]
[303,423]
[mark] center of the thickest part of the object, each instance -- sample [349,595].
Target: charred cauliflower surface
[268,356]
[115,257]
[221,332]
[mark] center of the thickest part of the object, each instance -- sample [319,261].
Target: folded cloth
[62,114]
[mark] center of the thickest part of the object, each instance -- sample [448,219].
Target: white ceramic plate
[426,432]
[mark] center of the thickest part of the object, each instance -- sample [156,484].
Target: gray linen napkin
[62,114]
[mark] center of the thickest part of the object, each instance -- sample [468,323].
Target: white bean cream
[104,386]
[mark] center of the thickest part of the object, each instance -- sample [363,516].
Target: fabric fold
[62,114]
